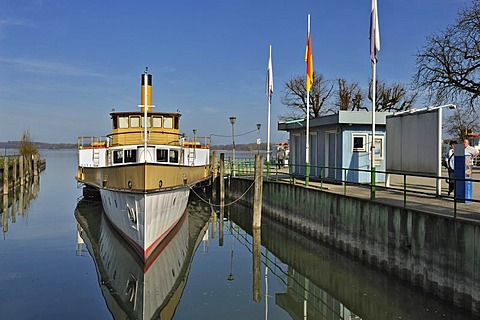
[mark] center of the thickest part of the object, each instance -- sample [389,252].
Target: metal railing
[407,184]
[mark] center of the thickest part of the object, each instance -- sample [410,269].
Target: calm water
[60,259]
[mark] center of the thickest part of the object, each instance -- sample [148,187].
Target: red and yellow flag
[309,61]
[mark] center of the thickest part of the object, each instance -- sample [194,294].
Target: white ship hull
[145,219]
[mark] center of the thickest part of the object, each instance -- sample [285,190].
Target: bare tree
[27,147]
[448,66]
[349,97]
[394,98]
[461,122]
[295,97]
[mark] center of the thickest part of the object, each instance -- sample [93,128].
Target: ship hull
[145,219]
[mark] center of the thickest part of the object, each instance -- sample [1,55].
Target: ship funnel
[146,91]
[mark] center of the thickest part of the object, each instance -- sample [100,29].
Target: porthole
[129,183]
[160,183]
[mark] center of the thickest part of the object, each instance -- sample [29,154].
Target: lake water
[60,259]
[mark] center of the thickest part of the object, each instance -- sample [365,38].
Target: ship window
[130,155]
[123,122]
[175,125]
[135,121]
[149,122]
[118,156]
[115,124]
[162,155]
[174,156]
[168,122]
[157,122]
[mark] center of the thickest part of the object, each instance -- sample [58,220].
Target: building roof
[342,117]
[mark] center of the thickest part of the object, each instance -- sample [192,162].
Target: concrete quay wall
[432,251]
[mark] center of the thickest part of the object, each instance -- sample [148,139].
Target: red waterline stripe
[168,239]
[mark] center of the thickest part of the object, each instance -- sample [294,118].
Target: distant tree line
[38,145]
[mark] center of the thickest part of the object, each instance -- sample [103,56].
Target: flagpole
[269,103]
[374,48]
[307,142]
[374,95]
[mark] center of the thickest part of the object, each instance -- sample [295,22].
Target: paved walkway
[415,196]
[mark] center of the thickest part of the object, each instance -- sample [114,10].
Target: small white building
[339,142]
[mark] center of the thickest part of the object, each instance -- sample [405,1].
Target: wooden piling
[21,168]
[222,179]
[35,165]
[258,190]
[213,164]
[5,213]
[257,285]
[5,175]
[14,172]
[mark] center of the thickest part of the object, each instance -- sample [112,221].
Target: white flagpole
[270,89]
[307,142]
[374,48]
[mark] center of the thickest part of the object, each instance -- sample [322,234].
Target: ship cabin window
[135,121]
[157,121]
[168,122]
[149,122]
[118,156]
[175,122]
[162,155]
[123,122]
[173,156]
[130,155]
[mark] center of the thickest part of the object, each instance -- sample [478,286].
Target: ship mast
[145,94]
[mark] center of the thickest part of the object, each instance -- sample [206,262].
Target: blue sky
[64,64]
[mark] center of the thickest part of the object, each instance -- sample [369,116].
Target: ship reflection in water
[134,289]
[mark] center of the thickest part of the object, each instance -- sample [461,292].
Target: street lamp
[194,145]
[259,125]
[232,121]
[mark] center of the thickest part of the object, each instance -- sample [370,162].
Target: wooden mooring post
[222,198]
[222,179]
[5,175]
[21,168]
[258,190]
[214,169]
[257,263]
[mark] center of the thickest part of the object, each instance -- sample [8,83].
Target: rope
[225,205]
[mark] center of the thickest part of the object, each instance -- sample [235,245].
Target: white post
[307,137]
[374,94]
[269,102]
[439,150]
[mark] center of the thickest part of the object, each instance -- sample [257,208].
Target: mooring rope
[225,205]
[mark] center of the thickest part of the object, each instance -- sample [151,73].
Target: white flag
[374,33]
[269,81]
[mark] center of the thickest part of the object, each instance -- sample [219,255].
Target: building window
[162,155]
[379,147]
[359,142]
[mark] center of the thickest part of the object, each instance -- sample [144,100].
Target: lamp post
[232,121]
[194,145]
[259,125]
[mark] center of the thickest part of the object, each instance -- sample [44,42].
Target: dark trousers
[451,181]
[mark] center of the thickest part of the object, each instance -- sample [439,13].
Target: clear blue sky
[65,64]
